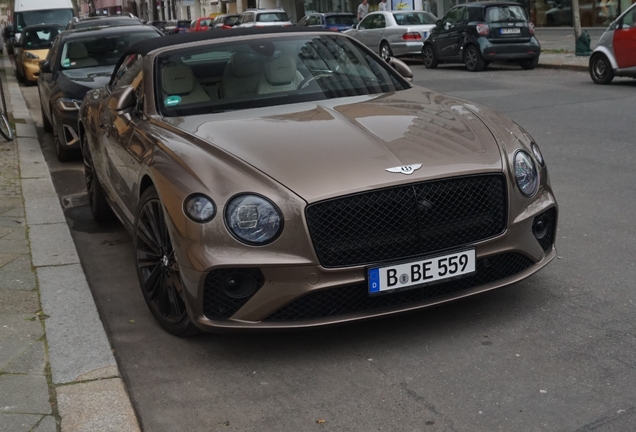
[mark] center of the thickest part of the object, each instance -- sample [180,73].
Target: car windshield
[100,50]
[54,16]
[511,13]
[272,17]
[341,20]
[232,20]
[414,18]
[267,72]
[39,39]
[105,22]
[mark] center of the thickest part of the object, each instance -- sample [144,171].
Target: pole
[576,19]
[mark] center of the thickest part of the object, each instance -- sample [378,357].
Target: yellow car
[33,47]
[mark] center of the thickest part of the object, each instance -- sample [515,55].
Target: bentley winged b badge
[405,169]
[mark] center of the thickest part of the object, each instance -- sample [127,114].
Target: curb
[563,66]
[90,391]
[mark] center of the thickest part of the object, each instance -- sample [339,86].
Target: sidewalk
[57,370]
[557,45]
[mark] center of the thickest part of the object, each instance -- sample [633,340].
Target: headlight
[253,219]
[31,56]
[526,174]
[537,154]
[69,104]
[199,208]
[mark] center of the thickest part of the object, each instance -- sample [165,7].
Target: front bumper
[297,296]
[509,51]
[67,127]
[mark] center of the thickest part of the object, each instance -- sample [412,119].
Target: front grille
[216,302]
[407,221]
[355,298]
[547,240]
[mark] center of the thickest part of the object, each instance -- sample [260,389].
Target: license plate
[510,30]
[420,272]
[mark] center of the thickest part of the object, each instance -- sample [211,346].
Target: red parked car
[200,24]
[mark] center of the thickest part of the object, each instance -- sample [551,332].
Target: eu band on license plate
[421,272]
[510,30]
[424,35]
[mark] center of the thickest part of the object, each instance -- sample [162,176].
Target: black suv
[477,33]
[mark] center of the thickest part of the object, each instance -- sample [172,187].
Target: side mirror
[121,100]
[401,68]
[438,23]
[45,66]
[17,44]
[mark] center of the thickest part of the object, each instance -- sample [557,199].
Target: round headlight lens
[537,154]
[199,208]
[526,174]
[253,219]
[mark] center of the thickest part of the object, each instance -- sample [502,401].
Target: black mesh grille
[550,218]
[407,221]
[355,298]
[216,303]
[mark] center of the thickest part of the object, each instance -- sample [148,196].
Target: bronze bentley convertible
[288,178]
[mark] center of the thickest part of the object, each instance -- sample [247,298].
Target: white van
[31,12]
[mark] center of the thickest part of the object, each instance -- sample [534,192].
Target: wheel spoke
[144,234]
[153,281]
[151,217]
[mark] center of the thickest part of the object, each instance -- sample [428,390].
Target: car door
[447,42]
[116,130]
[47,84]
[625,40]
[365,26]
[375,35]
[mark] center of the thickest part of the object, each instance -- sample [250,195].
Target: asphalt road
[556,352]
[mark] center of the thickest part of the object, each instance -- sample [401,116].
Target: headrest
[281,70]
[245,64]
[177,79]
[76,51]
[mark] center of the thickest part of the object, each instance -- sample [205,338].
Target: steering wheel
[304,83]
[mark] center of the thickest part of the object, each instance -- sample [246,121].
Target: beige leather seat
[241,75]
[178,80]
[78,56]
[279,75]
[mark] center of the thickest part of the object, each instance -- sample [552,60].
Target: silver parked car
[264,18]
[393,33]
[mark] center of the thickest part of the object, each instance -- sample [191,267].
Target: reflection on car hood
[339,146]
[76,82]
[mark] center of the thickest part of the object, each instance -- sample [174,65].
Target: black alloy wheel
[601,70]
[473,60]
[385,51]
[157,267]
[529,64]
[100,210]
[429,57]
[63,153]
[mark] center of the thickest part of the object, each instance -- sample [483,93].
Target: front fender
[608,53]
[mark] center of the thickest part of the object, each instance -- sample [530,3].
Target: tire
[63,153]
[385,51]
[5,128]
[429,57]
[601,70]
[100,210]
[46,124]
[157,268]
[472,59]
[529,64]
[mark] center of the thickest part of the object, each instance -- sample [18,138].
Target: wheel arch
[608,53]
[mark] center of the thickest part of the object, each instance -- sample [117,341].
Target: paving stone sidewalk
[57,370]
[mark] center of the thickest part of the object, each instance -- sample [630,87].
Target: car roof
[42,27]
[105,31]
[146,46]
[491,3]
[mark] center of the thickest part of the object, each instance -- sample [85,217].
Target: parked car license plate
[421,272]
[510,30]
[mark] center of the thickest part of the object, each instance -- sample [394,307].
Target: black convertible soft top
[148,45]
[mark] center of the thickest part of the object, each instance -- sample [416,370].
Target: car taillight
[333,29]
[411,36]
[531,27]
[224,26]
[483,29]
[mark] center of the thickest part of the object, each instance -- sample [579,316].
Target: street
[556,352]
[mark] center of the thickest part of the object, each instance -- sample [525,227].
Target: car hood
[339,146]
[76,82]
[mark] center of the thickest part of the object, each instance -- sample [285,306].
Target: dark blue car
[329,20]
